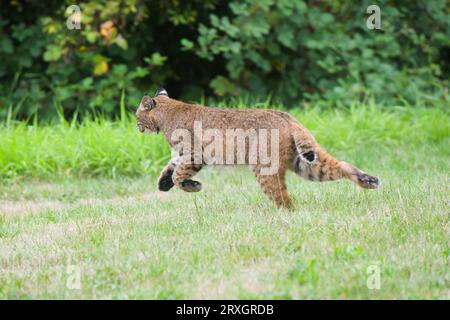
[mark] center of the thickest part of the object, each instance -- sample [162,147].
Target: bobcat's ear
[161,92]
[148,103]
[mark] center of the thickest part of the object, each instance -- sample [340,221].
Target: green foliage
[122,46]
[324,50]
[292,51]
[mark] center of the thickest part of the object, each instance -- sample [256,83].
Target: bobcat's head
[146,115]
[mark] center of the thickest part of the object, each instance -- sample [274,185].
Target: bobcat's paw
[368,182]
[165,182]
[191,186]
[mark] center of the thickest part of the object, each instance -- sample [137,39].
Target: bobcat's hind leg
[318,165]
[184,170]
[274,186]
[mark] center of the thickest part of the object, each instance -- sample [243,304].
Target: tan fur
[296,145]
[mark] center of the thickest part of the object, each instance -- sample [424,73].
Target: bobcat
[297,150]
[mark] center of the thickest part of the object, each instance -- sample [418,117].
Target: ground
[81,217]
[121,238]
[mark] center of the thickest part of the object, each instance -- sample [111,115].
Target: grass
[85,196]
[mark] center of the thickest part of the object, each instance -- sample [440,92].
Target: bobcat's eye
[310,156]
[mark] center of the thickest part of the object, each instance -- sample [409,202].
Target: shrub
[296,50]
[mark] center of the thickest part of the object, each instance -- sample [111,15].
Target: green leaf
[186,44]
[156,59]
[52,53]
[6,45]
[121,42]
[222,86]
[286,37]
[91,36]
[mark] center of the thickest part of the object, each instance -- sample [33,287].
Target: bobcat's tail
[315,164]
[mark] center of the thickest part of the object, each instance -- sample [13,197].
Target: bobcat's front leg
[184,170]
[165,182]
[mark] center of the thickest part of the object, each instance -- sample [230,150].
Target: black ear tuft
[161,92]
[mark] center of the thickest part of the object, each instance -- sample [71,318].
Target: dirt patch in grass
[27,207]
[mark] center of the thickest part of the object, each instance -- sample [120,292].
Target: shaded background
[288,51]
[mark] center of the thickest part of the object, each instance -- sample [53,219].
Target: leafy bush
[123,47]
[293,51]
[324,50]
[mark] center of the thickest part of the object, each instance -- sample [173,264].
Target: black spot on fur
[310,156]
[165,183]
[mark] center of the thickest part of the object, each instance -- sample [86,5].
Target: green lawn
[128,240]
